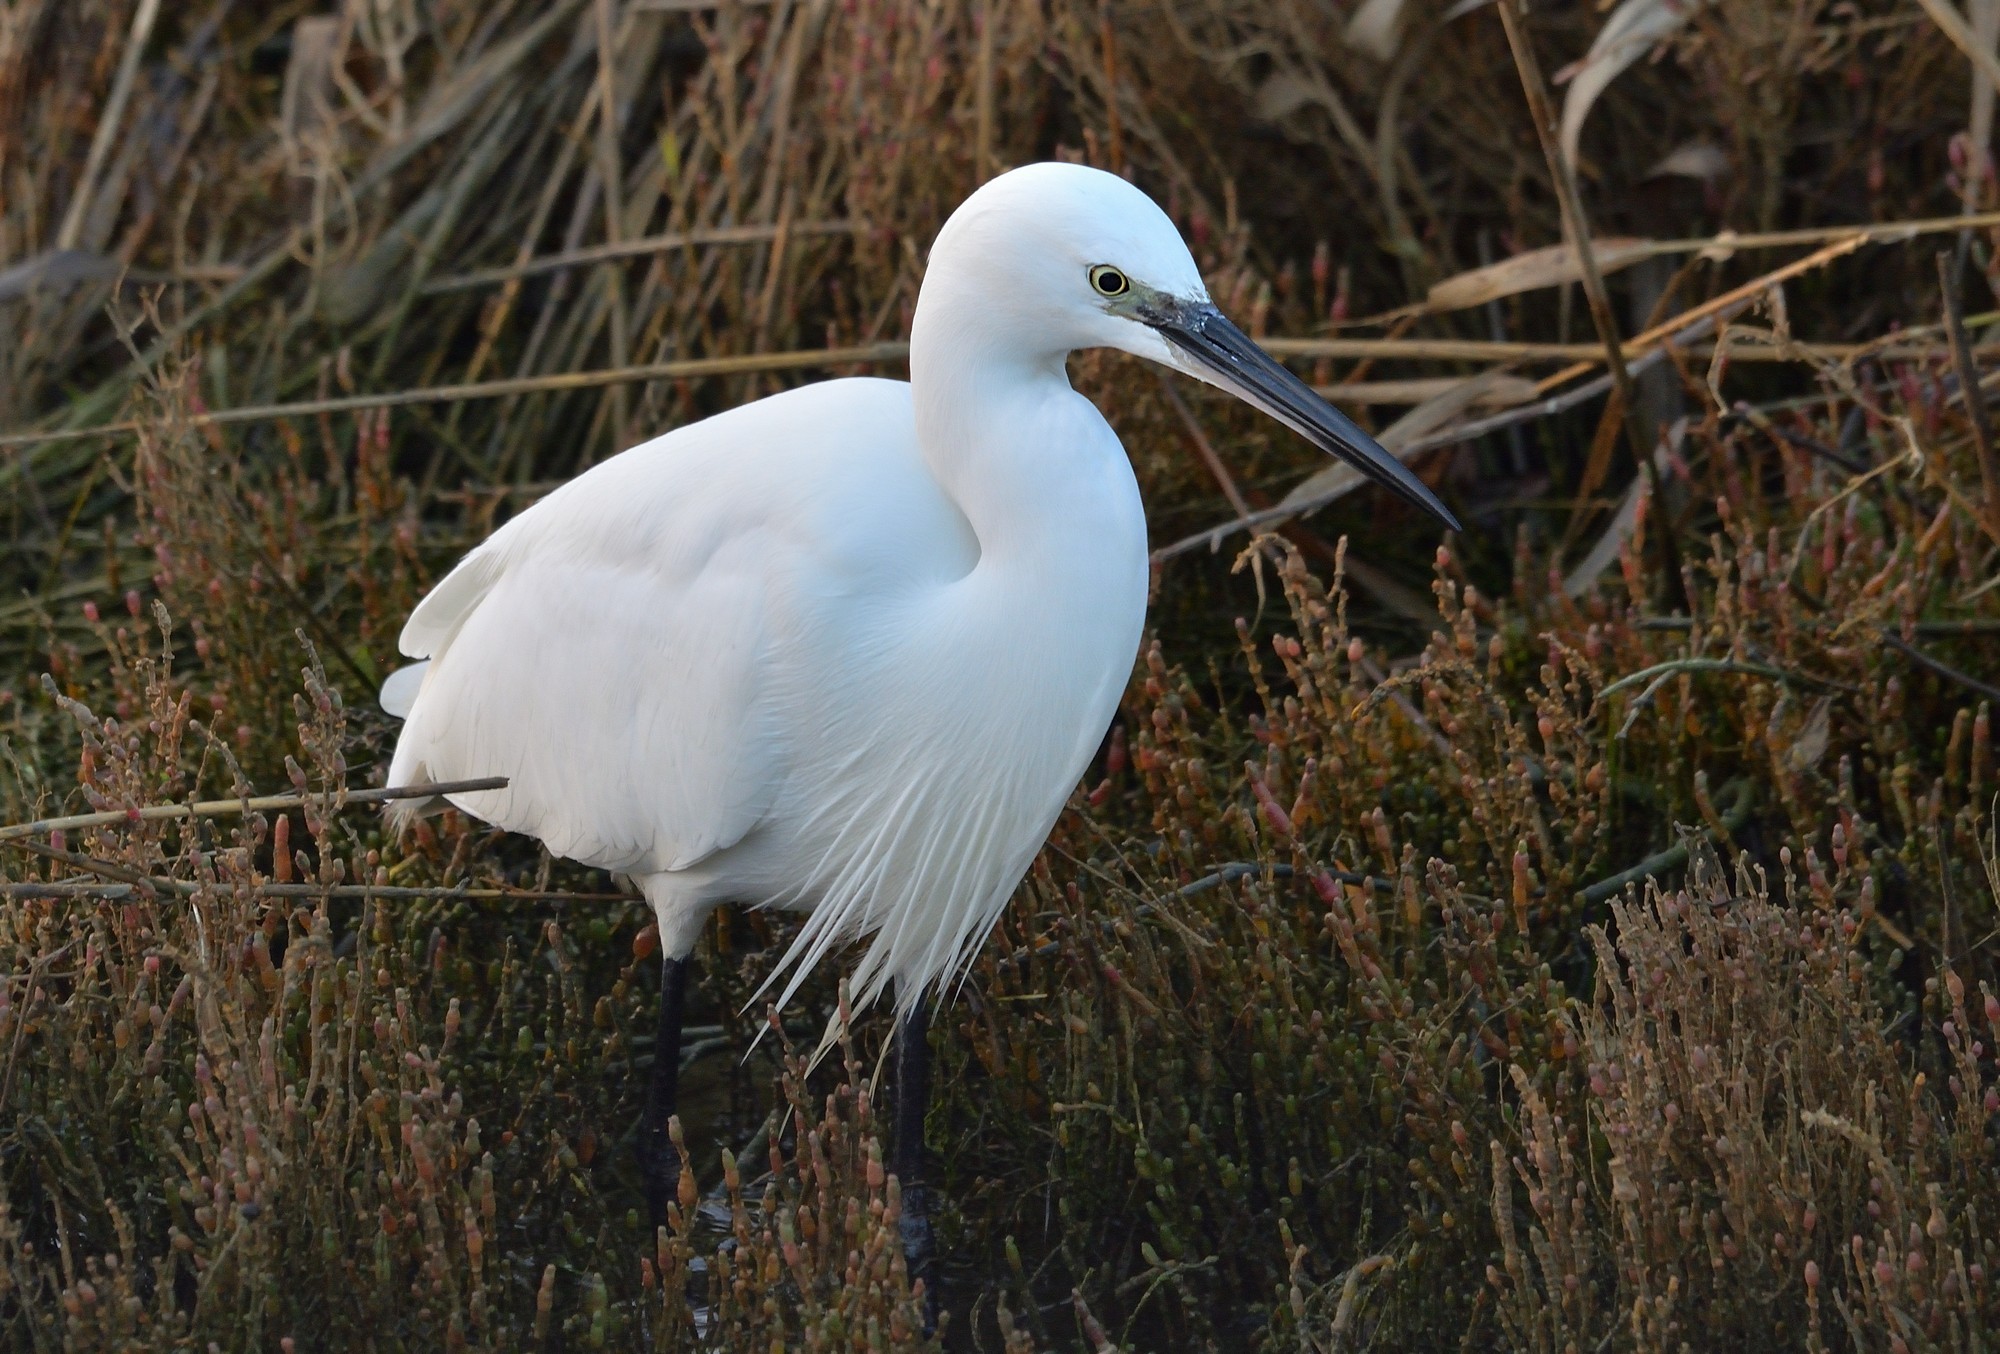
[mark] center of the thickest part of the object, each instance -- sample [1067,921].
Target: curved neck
[996,419]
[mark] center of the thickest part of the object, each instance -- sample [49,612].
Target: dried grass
[1335,1015]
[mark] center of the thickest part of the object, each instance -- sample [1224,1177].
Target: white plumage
[846,649]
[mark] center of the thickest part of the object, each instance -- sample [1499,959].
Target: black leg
[906,1162]
[659,1163]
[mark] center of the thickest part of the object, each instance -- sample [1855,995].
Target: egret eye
[1108,281]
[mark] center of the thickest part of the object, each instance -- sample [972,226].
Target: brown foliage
[1334,1016]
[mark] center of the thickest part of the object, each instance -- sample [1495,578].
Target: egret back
[610,650]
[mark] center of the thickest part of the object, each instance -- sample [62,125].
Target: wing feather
[619,703]
[708,635]
[399,690]
[437,618]
[605,650]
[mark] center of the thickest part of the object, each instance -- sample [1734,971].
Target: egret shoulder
[683,568]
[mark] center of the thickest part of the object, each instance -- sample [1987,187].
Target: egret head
[1060,257]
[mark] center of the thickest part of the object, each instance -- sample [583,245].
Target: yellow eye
[1108,281]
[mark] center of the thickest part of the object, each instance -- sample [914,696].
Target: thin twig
[1438,349]
[1733,818]
[1223,874]
[1205,449]
[488,390]
[1638,706]
[1880,232]
[1938,666]
[75,888]
[1585,356]
[1725,243]
[108,869]
[1745,412]
[1683,665]
[218,808]
[1976,625]
[632,249]
[1577,227]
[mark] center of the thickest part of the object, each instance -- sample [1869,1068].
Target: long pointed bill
[1225,356]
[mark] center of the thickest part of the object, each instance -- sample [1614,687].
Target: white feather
[399,691]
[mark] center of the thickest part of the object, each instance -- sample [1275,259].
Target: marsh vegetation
[1339,1012]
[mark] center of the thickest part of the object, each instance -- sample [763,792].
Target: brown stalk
[1968,384]
[1115,128]
[611,171]
[797,359]
[1205,449]
[632,249]
[1877,232]
[70,234]
[1728,242]
[486,390]
[1953,26]
[1979,131]
[1421,349]
[1578,229]
[982,161]
[1734,299]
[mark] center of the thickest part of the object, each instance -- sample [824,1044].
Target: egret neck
[1037,472]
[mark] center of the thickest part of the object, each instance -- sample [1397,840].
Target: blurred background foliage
[1337,1013]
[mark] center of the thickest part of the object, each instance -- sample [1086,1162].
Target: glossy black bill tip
[1205,335]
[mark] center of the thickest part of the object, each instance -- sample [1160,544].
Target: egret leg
[913,1093]
[659,1163]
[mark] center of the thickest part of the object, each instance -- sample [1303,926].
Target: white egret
[846,650]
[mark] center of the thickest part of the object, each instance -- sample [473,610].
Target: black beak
[1227,357]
